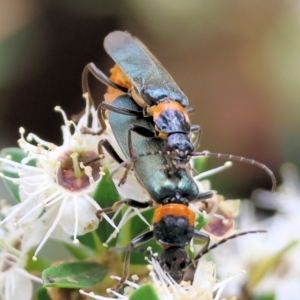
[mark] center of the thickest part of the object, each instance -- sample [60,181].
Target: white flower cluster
[205,285]
[15,282]
[271,260]
[56,193]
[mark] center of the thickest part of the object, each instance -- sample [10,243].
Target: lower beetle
[173,226]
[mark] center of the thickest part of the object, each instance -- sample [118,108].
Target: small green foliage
[201,221]
[38,265]
[137,226]
[144,292]
[199,164]
[265,297]
[42,294]
[106,195]
[88,240]
[74,275]
[138,255]
[16,154]
[80,252]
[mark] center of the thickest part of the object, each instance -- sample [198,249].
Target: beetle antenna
[199,255]
[206,154]
[131,160]
[241,159]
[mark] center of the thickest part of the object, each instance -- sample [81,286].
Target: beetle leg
[101,119]
[203,237]
[143,131]
[121,110]
[127,201]
[86,90]
[197,130]
[111,151]
[85,85]
[137,204]
[136,242]
[99,75]
[190,110]
[131,153]
[204,195]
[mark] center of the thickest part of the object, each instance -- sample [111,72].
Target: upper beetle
[138,73]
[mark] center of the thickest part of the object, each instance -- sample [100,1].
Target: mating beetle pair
[150,92]
[173,223]
[139,74]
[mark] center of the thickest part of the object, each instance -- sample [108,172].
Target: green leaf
[38,265]
[42,294]
[134,227]
[265,297]
[138,255]
[201,221]
[80,252]
[144,292]
[137,226]
[74,275]
[200,163]
[89,241]
[16,155]
[106,195]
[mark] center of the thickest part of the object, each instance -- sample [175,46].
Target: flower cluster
[15,281]
[272,259]
[205,284]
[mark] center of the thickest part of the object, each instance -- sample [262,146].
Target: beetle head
[179,144]
[174,261]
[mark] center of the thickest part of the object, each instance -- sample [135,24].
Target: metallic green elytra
[149,78]
[150,170]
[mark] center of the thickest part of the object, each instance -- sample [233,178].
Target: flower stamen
[77,171]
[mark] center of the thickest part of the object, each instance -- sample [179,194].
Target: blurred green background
[237,61]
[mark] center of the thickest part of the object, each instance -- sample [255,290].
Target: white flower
[205,285]
[61,184]
[15,282]
[257,254]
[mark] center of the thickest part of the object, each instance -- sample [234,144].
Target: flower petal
[85,216]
